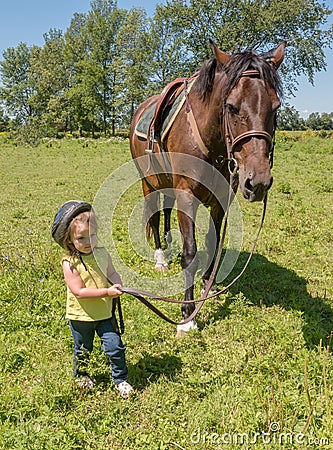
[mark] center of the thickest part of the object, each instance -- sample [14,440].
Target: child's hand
[115,290]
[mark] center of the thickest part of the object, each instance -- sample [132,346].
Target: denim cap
[64,216]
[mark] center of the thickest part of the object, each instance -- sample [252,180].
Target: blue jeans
[83,335]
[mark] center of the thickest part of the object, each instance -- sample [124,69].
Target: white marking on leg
[159,258]
[184,328]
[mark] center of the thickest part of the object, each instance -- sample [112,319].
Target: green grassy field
[256,374]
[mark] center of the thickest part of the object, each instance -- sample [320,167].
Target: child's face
[84,237]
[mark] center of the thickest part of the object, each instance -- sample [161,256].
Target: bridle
[233,142]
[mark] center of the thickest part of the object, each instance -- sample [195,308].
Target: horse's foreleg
[212,240]
[189,260]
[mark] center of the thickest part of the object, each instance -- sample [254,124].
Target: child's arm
[77,287]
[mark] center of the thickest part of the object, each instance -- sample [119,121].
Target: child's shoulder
[70,258]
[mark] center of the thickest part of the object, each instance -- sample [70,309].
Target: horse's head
[250,102]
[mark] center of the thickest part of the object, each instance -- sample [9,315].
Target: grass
[257,373]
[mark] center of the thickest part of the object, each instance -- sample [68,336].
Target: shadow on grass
[150,368]
[267,283]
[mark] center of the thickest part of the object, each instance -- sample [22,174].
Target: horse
[227,121]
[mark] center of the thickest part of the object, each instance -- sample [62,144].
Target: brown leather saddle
[165,99]
[163,111]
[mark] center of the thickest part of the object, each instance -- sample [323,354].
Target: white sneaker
[124,389]
[84,382]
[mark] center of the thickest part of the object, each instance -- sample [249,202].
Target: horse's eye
[233,110]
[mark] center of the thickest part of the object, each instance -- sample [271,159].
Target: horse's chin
[255,192]
[254,195]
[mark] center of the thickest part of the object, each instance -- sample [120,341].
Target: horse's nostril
[248,185]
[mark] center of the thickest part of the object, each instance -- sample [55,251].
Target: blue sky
[27,21]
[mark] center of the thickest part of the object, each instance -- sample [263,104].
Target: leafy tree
[109,60]
[77,93]
[169,55]
[48,76]
[289,119]
[317,121]
[132,66]
[327,121]
[240,24]
[4,120]
[97,69]
[16,90]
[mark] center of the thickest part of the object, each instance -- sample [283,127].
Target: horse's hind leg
[168,204]
[152,220]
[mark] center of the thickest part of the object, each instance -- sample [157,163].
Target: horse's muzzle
[256,191]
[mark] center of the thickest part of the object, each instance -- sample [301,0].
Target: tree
[97,69]
[132,66]
[91,52]
[4,120]
[289,119]
[74,56]
[170,58]
[48,77]
[327,121]
[241,24]
[16,90]
[317,121]
[109,60]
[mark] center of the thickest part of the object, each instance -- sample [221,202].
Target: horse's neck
[211,113]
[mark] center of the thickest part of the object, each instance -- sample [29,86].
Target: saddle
[162,113]
[165,99]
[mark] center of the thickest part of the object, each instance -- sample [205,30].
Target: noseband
[233,142]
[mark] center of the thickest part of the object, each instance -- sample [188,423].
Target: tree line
[289,119]
[91,77]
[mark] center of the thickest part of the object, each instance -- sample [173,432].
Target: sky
[27,21]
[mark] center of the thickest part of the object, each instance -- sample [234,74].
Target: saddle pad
[168,117]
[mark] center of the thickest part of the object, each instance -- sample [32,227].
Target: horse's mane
[239,63]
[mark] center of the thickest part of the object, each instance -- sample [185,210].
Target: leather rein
[231,143]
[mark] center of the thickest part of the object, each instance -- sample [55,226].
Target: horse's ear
[221,56]
[276,56]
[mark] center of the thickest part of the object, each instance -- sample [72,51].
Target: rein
[231,144]
[141,294]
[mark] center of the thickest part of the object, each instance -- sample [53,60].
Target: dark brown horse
[227,121]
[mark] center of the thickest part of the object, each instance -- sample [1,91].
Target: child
[87,269]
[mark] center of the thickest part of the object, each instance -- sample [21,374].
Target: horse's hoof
[212,291]
[184,328]
[181,334]
[161,267]
[161,263]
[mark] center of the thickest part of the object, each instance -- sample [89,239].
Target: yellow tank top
[93,276]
